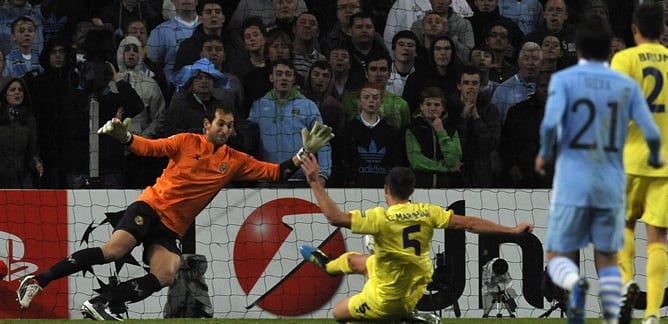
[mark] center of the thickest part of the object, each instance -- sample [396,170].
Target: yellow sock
[626,255]
[656,277]
[340,264]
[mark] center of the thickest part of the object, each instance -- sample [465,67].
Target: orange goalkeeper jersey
[194,175]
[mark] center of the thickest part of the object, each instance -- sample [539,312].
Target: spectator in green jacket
[432,144]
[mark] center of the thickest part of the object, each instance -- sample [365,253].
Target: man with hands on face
[432,144]
[479,127]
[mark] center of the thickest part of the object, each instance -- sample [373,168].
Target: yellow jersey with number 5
[646,63]
[402,235]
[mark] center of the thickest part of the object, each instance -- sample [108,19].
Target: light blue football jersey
[587,114]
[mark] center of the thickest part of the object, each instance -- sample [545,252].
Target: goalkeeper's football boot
[28,289]
[98,312]
[630,293]
[315,256]
[576,304]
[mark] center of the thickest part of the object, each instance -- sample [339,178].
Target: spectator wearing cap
[197,90]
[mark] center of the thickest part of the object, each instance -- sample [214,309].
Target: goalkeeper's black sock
[130,291]
[79,260]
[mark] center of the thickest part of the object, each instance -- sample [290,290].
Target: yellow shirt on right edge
[648,65]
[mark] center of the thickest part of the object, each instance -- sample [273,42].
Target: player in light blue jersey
[586,116]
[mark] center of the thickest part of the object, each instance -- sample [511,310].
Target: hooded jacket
[148,90]
[52,94]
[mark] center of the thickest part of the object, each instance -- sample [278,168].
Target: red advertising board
[33,236]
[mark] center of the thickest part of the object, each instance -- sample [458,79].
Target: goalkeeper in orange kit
[200,165]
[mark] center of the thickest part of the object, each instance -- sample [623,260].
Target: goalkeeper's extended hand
[315,139]
[117,129]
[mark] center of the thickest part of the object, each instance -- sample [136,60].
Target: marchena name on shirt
[597,83]
[407,216]
[652,57]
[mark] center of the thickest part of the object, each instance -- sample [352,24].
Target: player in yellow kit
[647,187]
[400,268]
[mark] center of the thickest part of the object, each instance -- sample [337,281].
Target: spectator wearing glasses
[497,39]
[486,12]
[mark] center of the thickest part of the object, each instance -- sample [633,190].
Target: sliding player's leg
[348,263]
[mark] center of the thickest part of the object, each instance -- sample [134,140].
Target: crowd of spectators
[454,89]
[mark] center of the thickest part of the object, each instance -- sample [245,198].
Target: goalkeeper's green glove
[117,129]
[315,139]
